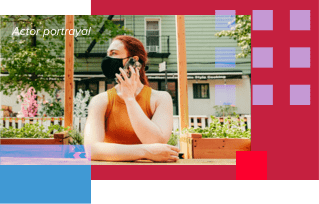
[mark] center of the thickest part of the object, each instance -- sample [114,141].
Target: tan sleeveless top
[118,128]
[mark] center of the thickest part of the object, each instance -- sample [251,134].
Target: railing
[152,48]
[78,123]
[154,43]
[82,43]
[203,121]
[195,121]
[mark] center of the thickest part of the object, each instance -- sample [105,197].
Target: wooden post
[182,71]
[69,63]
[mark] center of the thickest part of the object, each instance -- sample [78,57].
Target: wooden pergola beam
[68,72]
[182,72]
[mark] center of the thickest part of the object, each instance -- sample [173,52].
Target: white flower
[80,106]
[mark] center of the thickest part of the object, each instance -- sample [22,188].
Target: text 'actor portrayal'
[131,121]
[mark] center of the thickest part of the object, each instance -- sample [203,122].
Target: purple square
[262,94]
[225,12]
[299,19]
[299,94]
[225,94]
[300,57]
[262,19]
[262,57]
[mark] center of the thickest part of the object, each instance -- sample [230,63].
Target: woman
[131,121]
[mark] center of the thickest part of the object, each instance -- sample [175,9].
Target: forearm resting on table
[116,152]
[146,130]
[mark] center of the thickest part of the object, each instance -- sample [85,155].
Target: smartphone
[131,62]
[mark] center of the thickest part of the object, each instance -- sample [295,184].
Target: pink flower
[233,105]
[51,104]
[45,102]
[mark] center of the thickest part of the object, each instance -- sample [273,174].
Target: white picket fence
[202,121]
[79,123]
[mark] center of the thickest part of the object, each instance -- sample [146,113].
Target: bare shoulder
[98,102]
[160,96]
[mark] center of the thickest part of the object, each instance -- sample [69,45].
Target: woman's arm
[159,128]
[94,133]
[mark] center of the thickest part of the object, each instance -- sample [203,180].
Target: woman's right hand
[161,152]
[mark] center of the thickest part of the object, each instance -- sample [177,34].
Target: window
[152,33]
[154,85]
[201,91]
[118,21]
[109,84]
[171,89]
[92,86]
[225,95]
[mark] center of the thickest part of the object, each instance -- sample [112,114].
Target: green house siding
[200,44]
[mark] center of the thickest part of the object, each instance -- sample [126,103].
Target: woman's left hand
[128,86]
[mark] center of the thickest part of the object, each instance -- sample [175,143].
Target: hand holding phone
[131,62]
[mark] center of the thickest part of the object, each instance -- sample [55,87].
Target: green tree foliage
[241,32]
[38,60]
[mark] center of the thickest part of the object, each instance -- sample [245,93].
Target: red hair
[135,47]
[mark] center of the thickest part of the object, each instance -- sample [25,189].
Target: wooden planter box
[58,139]
[195,147]
[36,147]
[55,151]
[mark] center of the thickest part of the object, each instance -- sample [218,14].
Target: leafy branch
[241,32]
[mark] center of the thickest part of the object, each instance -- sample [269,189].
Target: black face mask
[111,66]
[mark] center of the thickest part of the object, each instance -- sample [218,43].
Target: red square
[251,165]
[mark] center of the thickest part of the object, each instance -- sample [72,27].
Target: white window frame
[160,29]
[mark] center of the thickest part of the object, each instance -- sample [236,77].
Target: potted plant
[76,141]
[36,141]
[173,140]
[218,141]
